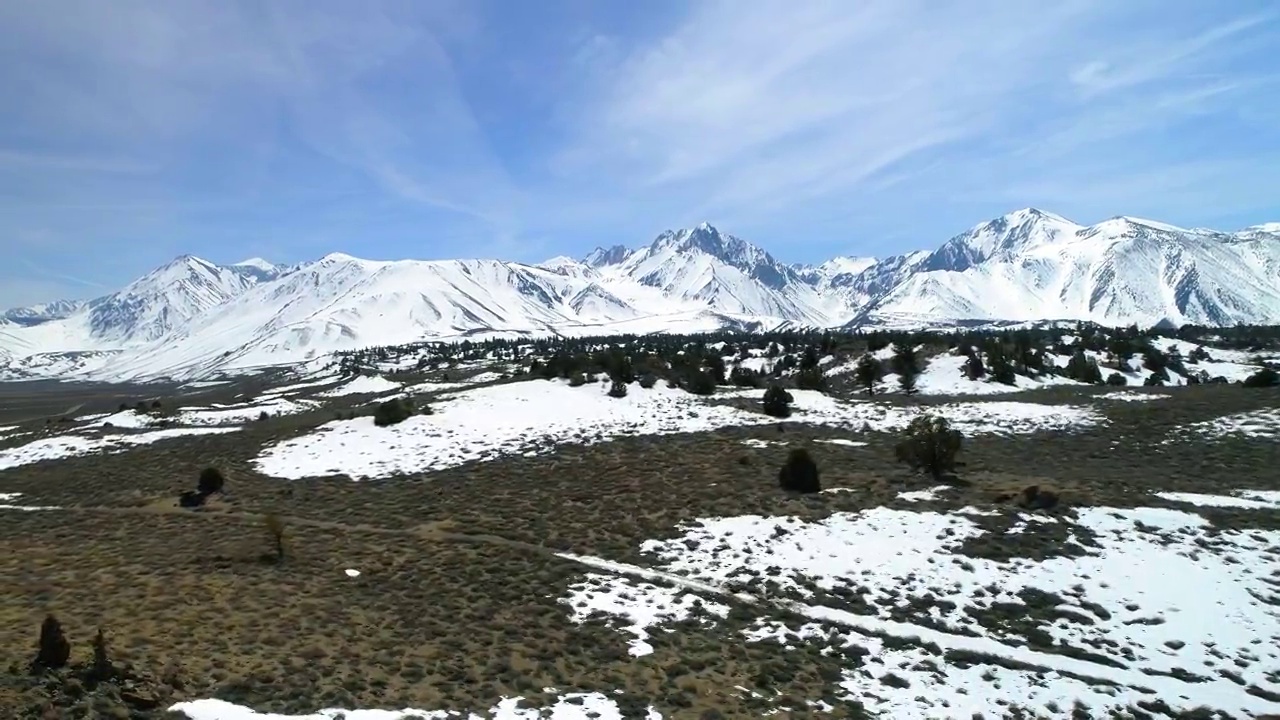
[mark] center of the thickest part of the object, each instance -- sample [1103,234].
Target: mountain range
[192,317]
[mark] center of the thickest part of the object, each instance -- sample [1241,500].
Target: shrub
[648,381]
[1034,497]
[929,444]
[617,389]
[577,380]
[1266,377]
[391,412]
[1117,379]
[102,668]
[262,416]
[799,473]
[191,499]
[211,481]
[777,402]
[811,378]
[744,377]
[54,649]
[867,373]
[701,383]
[275,534]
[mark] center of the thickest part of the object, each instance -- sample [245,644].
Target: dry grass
[458,603]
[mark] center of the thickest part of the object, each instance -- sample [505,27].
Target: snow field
[532,417]
[1263,424]
[1125,599]
[569,706]
[66,446]
[362,385]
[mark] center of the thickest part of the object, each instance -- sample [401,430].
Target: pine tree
[867,373]
[906,366]
[974,369]
[777,402]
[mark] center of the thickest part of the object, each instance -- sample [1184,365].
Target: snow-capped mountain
[1031,265]
[191,316]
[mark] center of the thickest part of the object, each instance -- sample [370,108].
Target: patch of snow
[5,497]
[1130,396]
[1245,499]
[352,573]
[842,441]
[642,605]
[363,385]
[66,446]
[238,415]
[528,418]
[1138,573]
[570,706]
[126,419]
[921,495]
[1253,424]
[534,416]
[296,387]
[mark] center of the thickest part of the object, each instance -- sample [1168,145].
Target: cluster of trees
[699,363]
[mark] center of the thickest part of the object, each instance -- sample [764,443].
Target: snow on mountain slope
[192,317]
[722,272]
[1032,265]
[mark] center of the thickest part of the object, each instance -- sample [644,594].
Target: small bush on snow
[391,412]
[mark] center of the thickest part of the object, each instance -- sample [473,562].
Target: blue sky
[135,131]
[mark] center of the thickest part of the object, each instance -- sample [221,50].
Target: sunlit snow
[533,417]
[65,446]
[570,706]
[1126,598]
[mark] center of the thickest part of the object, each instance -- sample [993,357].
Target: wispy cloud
[431,129]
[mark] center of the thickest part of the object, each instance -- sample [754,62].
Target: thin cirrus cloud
[444,128]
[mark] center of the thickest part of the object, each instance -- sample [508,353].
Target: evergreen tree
[998,365]
[777,402]
[1083,368]
[974,368]
[811,379]
[906,365]
[867,373]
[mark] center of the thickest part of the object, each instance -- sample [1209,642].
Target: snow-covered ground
[531,417]
[362,385]
[1125,599]
[945,375]
[1253,424]
[298,387]
[1131,396]
[569,706]
[1245,499]
[237,415]
[66,446]
[125,419]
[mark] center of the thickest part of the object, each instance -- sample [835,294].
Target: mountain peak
[256,262]
[601,257]
[1153,224]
